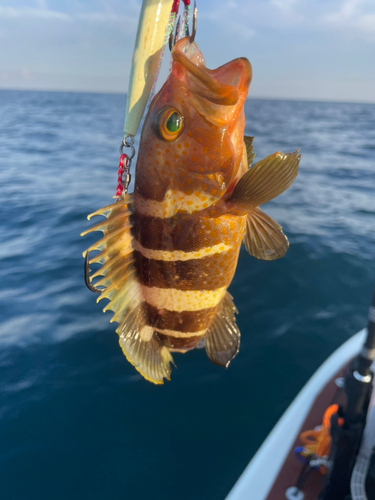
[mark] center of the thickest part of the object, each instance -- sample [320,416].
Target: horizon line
[114,92]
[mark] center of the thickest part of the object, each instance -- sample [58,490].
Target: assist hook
[91,287]
[173,37]
[194,28]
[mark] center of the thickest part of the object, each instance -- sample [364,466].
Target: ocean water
[76,420]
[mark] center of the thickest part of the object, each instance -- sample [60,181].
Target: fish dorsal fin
[264,238]
[116,256]
[138,341]
[222,340]
[266,179]
[248,141]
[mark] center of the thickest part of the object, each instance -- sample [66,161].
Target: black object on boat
[346,440]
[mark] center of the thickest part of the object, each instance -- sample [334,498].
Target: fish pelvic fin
[266,179]
[248,142]
[222,340]
[264,238]
[142,348]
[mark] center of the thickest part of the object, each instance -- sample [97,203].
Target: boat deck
[293,469]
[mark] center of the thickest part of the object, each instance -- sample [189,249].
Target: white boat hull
[259,476]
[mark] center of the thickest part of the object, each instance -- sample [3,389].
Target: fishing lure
[170,249]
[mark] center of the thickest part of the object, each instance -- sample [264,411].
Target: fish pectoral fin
[143,349]
[248,141]
[266,179]
[264,238]
[222,340]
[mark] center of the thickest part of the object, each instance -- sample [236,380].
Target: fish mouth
[224,86]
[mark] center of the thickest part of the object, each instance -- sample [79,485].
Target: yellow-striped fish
[170,249]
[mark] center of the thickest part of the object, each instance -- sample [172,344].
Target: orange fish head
[192,138]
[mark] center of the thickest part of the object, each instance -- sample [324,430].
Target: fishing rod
[346,439]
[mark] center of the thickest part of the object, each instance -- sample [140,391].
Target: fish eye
[168,123]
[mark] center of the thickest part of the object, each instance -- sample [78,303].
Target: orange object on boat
[317,442]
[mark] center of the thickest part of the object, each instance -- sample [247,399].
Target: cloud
[355,17]
[20,75]
[26,75]
[285,5]
[292,44]
[12,13]
[43,13]
[227,17]
[42,4]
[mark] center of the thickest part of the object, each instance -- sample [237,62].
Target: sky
[299,49]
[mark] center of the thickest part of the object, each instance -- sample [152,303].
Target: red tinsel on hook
[176,4]
[121,170]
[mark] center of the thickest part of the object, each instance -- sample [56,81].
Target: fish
[169,250]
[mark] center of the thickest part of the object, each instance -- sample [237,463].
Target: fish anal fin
[264,238]
[266,179]
[222,340]
[143,349]
[248,141]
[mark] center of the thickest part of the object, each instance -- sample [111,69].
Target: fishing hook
[194,28]
[177,30]
[91,287]
[174,35]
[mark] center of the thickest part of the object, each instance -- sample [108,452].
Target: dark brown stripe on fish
[178,342]
[188,233]
[184,322]
[206,273]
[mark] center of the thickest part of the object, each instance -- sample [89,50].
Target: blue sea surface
[76,420]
